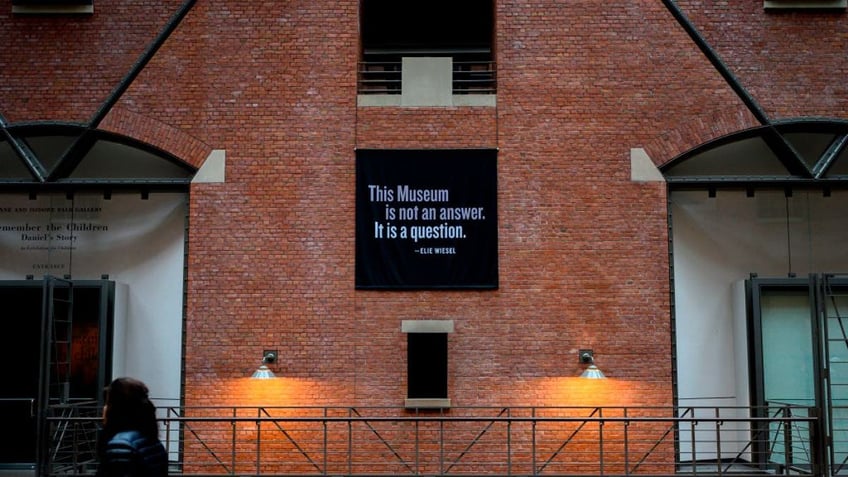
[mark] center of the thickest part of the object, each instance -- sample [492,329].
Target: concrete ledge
[458,100]
[427,403]
[378,100]
[487,100]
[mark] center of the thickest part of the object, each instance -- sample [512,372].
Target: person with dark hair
[130,445]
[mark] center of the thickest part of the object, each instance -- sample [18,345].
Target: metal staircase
[54,386]
[834,312]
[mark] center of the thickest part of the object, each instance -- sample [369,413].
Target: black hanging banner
[426,219]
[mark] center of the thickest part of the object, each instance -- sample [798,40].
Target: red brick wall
[583,254]
[790,61]
[583,250]
[61,68]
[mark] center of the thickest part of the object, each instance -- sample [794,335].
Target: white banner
[84,237]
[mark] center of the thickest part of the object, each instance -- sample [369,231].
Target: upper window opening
[804,4]
[53,6]
[429,26]
[461,31]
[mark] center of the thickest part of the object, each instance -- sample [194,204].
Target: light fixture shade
[587,356]
[592,372]
[263,373]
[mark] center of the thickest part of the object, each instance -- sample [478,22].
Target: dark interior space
[427,25]
[427,365]
[20,350]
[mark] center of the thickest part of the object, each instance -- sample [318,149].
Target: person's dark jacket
[130,454]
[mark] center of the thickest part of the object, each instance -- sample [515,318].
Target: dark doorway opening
[427,365]
[27,330]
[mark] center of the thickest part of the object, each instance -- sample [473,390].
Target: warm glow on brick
[279,391]
[576,391]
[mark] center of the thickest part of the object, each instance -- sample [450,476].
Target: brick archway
[668,145]
[163,136]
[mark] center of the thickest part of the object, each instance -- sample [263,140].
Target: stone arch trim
[182,145]
[686,136]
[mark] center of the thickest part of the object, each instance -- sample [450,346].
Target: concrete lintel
[426,326]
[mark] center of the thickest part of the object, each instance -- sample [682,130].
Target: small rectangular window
[42,7]
[427,363]
[804,4]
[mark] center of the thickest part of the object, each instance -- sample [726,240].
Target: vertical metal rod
[600,441]
[533,440]
[417,448]
[788,236]
[233,444]
[258,446]
[508,443]
[42,451]
[717,415]
[325,440]
[692,426]
[626,444]
[817,442]
[787,439]
[75,446]
[441,447]
[349,442]
[820,291]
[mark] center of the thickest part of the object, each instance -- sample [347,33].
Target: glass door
[787,347]
[786,368]
[834,306]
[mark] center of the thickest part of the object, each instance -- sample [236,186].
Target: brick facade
[583,251]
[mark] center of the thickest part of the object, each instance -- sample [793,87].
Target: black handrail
[421,444]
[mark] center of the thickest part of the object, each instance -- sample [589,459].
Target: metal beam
[752,182]
[776,141]
[73,156]
[829,156]
[24,152]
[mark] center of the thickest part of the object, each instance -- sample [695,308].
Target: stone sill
[427,403]
[457,100]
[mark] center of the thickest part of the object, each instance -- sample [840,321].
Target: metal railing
[509,441]
[385,77]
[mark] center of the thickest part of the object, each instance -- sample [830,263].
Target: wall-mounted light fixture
[587,356]
[269,356]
